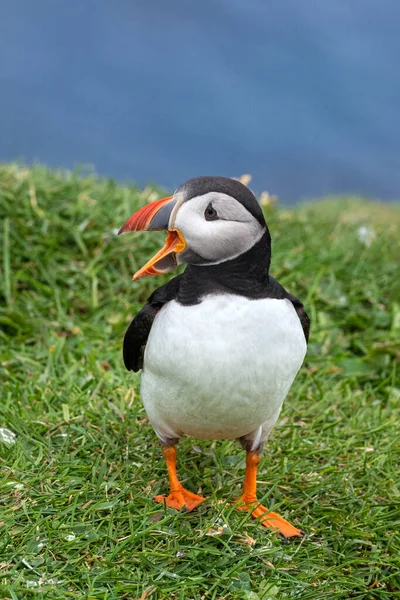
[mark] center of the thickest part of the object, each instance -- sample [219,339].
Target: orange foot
[268,519]
[181,498]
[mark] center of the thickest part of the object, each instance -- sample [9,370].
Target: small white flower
[366,235]
[7,436]
[54,581]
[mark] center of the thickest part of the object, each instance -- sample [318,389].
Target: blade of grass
[6,261]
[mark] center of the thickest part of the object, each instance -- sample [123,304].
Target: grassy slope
[76,513]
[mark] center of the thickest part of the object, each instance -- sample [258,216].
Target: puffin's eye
[210,214]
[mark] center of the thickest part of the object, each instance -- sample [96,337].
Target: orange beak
[153,217]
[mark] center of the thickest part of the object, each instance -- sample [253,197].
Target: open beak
[153,217]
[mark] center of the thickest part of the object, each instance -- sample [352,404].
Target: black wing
[301,313]
[135,339]
[276,290]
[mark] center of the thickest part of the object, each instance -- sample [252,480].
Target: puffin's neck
[245,275]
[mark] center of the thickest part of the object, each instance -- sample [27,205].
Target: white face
[215,237]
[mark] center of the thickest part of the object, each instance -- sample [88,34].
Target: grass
[77,518]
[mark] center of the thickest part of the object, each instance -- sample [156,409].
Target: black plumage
[247,275]
[135,339]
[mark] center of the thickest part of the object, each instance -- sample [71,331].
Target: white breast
[222,368]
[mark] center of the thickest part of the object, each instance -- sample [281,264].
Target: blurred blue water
[302,94]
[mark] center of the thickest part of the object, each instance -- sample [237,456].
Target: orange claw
[181,499]
[268,519]
[178,497]
[248,501]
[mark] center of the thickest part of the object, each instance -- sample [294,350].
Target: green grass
[77,518]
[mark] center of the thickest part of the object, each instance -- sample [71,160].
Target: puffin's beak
[153,217]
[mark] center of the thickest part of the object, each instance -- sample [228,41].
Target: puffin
[220,344]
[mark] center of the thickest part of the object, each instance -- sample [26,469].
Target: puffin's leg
[178,497]
[248,500]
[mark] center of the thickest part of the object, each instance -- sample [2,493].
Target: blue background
[302,94]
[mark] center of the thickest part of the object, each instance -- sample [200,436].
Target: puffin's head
[209,220]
